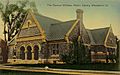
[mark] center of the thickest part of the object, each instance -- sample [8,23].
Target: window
[55,49]
[29,53]
[29,48]
[22,54]
[22,48]
[36,49]
[54,52]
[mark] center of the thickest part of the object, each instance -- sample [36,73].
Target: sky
[97,13]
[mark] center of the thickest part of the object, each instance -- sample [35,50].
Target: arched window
[29,53]
[36,49]
[22,53]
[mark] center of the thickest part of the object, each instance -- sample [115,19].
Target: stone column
[25,54]
[39,58]
[32,52]
[32,55]
[18,54]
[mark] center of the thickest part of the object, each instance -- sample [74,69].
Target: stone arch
[29,52]
[36,52]
[22,52]
[36,49]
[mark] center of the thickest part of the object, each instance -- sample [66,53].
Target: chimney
[79,14]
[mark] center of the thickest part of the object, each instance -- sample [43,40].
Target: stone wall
[111,40]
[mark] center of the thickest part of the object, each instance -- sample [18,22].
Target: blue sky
[94,16]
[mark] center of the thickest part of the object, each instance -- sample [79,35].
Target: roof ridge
[98,28]
[62,22]
[46,16]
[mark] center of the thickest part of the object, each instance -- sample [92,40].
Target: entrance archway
[36,50]
[29,53]
[22,53]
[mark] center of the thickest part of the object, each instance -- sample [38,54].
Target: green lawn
[99,66]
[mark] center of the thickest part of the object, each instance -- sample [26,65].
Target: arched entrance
[36,50]
[22,53]
[29,53]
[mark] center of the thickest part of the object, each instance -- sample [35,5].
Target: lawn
[90,66]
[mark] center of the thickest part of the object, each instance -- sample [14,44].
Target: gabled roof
[45,23]
[54,29]
[58,30]
[98,36]
[90,36]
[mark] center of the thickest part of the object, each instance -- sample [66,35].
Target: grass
[90,66]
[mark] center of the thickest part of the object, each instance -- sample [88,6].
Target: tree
[76,55]
[13,16]
[68,57]
[81,52]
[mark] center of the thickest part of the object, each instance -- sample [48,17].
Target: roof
[58,31]
[45,22]
[90,36]
[98,36]
[54,29]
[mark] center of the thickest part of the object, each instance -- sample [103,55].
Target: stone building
[103,44]
[42,39]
